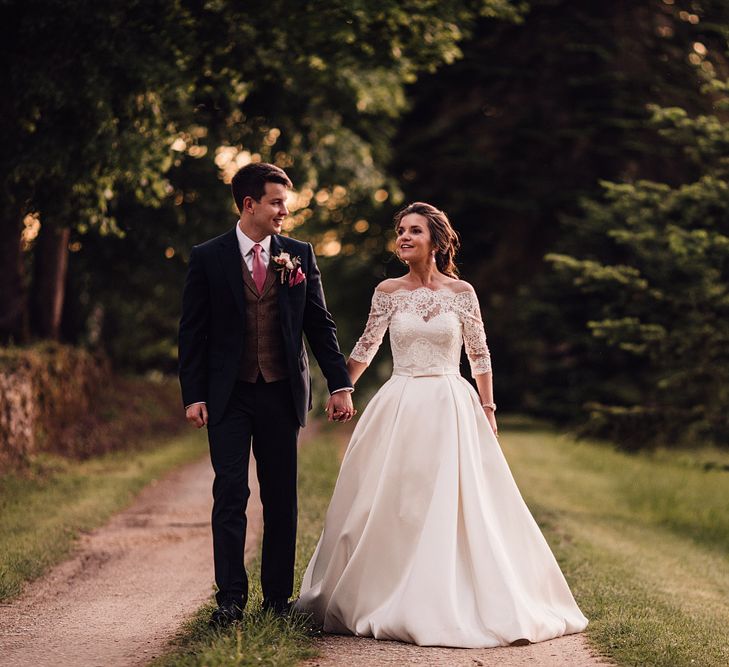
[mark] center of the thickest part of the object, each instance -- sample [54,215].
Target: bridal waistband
[424,372]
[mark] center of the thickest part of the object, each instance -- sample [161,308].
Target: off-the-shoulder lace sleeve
[474,336]
[377,322]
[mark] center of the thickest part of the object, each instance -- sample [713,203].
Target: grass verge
[643,540]
[46,507]
[262,639]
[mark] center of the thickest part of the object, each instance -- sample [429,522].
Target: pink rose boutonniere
[290,269]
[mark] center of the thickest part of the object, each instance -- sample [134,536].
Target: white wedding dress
[427,539]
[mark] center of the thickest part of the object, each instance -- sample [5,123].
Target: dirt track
[571,651]
[130,584]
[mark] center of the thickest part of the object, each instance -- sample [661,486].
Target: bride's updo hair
[444,237]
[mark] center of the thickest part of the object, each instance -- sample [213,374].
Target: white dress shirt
[245,243]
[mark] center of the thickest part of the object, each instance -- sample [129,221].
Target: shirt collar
[246,244]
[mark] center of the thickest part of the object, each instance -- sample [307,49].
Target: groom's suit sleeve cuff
[195,403]
[349,389]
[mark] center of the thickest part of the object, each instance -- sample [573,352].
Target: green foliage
[90,90]
[314,87]
[93,98]
[656,259]
[511,138]
[260,639]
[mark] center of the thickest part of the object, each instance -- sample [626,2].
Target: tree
[89,94]
[315,87]
[657,257]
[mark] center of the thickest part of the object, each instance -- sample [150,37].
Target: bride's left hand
[491,417]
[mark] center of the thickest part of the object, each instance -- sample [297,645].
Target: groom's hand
[340,407]
[197,414]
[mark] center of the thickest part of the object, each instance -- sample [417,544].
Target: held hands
[197,414]
[339,407]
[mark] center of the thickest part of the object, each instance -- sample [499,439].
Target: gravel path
[130,584]
[570,651]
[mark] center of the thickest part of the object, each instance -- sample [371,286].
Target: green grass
[643,540]
[261,639]
[45,508]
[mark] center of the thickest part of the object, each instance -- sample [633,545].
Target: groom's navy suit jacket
[212,327]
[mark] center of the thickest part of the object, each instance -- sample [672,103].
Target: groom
[249,297]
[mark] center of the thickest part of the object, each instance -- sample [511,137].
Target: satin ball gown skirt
[427,539]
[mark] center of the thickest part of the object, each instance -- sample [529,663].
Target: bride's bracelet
[491,406]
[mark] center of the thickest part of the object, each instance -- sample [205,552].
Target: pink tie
[259,269]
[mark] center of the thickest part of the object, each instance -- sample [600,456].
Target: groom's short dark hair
[250,181]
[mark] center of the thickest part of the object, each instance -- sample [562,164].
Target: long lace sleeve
[474,336]
[377,322]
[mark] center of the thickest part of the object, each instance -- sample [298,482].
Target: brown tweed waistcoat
[263,351]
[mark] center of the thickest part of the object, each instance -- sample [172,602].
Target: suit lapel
[277,247]
[231,260]
[271,277]
[248,278]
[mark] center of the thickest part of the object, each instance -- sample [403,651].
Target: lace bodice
[427,329]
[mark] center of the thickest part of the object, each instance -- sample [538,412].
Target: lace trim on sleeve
[474,336]
[377,322]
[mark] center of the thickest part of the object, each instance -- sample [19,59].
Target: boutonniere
[289,268]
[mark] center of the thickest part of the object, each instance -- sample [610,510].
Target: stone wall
[44,389]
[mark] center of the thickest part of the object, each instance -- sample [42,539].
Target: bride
[427,539]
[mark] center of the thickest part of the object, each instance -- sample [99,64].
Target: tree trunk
[13,295]
[49,281]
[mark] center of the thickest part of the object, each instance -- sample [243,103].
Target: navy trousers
[260,415]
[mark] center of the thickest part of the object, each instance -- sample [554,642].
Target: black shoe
[523,641]
[277,607]
[225,615]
